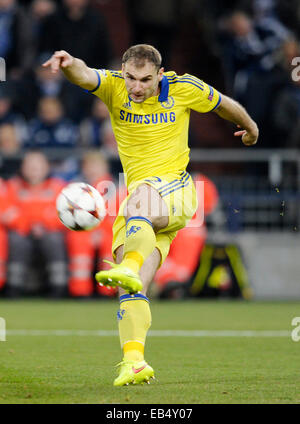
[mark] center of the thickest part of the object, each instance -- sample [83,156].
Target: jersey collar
[164,89]
[164,92]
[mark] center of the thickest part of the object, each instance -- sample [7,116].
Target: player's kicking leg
[134,319]
[145,213]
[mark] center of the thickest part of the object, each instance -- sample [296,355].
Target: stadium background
[242,48]
[208,351]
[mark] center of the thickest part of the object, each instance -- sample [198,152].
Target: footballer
[150,111]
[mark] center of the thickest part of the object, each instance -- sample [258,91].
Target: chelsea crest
[169,103]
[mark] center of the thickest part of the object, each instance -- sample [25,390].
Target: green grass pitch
[73,366]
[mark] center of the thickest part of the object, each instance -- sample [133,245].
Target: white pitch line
[155,333]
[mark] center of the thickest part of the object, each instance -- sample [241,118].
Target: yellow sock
[134,319]
[139,243]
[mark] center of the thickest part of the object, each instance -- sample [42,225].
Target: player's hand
[60,59]
[249,138]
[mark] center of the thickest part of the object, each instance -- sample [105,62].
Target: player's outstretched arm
[75,70]
[232,111]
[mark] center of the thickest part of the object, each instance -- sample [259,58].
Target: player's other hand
[60,59]
[249,138]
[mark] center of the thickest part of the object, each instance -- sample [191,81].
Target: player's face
[141,83]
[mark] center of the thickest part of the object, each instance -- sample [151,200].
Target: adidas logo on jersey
[133,229]
[127,105]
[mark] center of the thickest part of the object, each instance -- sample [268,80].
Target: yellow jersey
[152,136]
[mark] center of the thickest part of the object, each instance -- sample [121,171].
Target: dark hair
[142,53]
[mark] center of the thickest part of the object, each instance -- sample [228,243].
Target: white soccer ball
[80,207]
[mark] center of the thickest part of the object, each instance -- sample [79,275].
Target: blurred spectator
[283,110]
[249,51]
[286,114]
[35,230]
[80,29]
[15,38]
[38,83]
[3,234]
[41,82]
[8,116]
[9,150]
[108,139]
[39,11]
[9,143]
[289,14]
[94,168]
[96,131]
[90,128]
[219,8]
[51,128]
[155,23]
[86,247]
[289,50]
[187,246]
[264,12]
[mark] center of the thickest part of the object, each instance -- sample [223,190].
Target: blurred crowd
[32,238]
[246,49]
[243,48]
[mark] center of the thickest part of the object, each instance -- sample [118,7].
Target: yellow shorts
[179,193]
